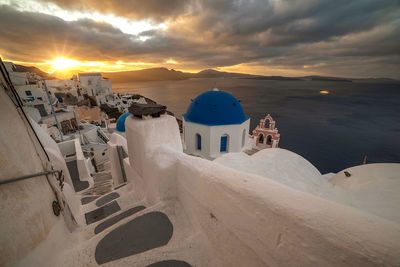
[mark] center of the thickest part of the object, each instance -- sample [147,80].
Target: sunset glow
[61,63]
[194,35]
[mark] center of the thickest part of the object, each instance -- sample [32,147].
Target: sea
[334,125]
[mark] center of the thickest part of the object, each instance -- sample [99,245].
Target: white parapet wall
[83,164]
[115,162]
[252,220]
[72,150]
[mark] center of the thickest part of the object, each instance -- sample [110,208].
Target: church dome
[121,122]
[215,107]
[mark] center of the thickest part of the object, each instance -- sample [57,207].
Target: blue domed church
[214,124]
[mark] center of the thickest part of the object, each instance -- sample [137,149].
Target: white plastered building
[95,85]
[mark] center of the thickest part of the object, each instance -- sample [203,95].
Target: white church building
[215,124]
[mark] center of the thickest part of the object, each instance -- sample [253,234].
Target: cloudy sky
[348,38]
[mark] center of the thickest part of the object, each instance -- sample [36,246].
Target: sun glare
[61,63]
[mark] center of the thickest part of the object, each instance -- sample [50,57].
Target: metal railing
[28,176]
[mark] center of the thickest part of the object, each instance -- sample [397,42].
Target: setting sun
[61,63]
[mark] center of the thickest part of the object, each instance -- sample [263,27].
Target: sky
[346,38]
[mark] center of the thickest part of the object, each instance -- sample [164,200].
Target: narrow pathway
[73,171]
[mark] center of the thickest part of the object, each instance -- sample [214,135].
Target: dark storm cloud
[288,22]
[28,36]
[329,36]
[33,35]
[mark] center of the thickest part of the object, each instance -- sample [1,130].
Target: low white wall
[67,147]
[112,154]
[74,149]
[251,220]
[83,169]
[147,135]
[266,223]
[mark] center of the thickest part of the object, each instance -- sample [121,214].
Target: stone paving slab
[107,198]
[86,200]
[143,233]
[113,220]
[170,263]
[102,212]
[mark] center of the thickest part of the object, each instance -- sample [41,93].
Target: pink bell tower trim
[266,135]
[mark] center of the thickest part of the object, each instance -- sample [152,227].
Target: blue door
[224,143]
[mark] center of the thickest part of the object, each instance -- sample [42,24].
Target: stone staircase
[127,232]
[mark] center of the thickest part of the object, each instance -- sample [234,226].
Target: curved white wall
[374,187]
[250,220]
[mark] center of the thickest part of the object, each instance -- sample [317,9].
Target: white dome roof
[280,165]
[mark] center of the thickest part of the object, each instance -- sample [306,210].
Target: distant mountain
[21,68]
[145,75]
[211,73]
[164,74]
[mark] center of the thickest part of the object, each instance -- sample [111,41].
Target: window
[243,137]
[28,93]
[261,139]
[198,141]
[224,146]
[267,124]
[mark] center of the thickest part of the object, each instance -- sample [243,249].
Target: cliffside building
[96,86]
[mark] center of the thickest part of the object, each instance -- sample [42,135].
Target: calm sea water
[333,131]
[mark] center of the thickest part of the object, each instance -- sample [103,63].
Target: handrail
[16,179]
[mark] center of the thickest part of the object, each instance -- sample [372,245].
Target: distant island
[164,74]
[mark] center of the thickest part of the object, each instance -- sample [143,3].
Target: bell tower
[266,135]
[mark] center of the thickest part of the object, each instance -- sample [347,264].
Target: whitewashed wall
[190,131]
[35,90]
[112,154]
[82,163]
[250,220]
[19,78]
[211,138]
[26,215]
[235,133]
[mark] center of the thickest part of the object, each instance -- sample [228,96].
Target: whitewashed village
[92,177]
